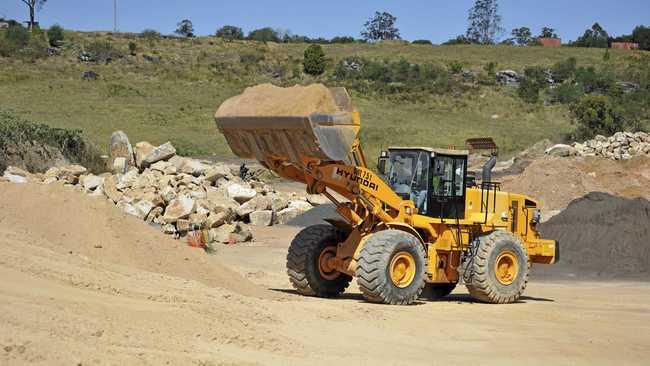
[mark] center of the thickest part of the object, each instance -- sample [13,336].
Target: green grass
[176,98]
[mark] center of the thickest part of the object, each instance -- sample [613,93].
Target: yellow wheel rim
[507,268]
[402,269]
[326,263]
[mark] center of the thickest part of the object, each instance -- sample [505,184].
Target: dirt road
[81,284]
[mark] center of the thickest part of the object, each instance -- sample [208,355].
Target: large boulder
[179,208]
[120,165]
[120,147]
[68,173]
[142,150]
[261,218]
[317,199]
[194,167]
[257,203]
[14,178]
[127,180]
[91,182]
[561,150]
[162,152]
[110,189]
[143,208]
[217,172]
[240,193]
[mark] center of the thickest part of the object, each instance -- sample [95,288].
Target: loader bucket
[328,137]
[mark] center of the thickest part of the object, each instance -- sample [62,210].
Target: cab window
[447,176]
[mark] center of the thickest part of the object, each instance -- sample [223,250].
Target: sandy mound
[557,181]
[78,224]
[271,100]
[602,235]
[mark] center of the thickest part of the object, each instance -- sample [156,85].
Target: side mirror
[381,162]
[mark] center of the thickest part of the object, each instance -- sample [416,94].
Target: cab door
[447,187]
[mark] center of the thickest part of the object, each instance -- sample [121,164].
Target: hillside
[170,89]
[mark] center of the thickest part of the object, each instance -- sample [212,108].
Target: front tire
[391,268]
[308,250]
[498,272]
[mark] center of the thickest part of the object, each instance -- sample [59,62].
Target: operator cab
[434,179]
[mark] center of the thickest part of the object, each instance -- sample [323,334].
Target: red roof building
[549,42]
[625,45]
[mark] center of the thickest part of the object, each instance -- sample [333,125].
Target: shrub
[251,58]
[593,81]
[15,38]
[457,40]
[133,47]
[102,51]
[15,131]
[567,93]
[150,35]
[230,33]
[531,84]
[422,41]
[564,70]
[595,115]
[314,60]
[455,67]
[55,35]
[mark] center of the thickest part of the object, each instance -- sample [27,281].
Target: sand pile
[94,228]
[557,181]
[271,100]
[601,235]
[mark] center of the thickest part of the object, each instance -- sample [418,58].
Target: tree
[380,27]
[185,28]
[314,61]
[230,32]
[548,33]
[641,35]
[32,5]
[484,22]
[264,35]
[522,36]
[596,37]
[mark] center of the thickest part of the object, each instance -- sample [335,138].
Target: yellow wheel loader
[415,230]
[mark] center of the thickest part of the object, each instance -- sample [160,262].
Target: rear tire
[498,273]
[436,291]
[303,262]
[391,268]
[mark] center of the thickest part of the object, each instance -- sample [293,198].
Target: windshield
[408,176]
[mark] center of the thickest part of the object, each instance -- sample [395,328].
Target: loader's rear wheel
[436,291]
[390,268]
[498,273]
[309,262]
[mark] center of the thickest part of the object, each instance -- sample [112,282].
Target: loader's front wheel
[309,262]
[391,268]
[498,272]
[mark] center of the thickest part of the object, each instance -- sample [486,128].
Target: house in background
[625,45]
[4,25]
[549,42]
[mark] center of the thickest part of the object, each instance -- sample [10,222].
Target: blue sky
[434,19]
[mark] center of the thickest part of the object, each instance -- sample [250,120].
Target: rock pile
[620,146]
[179,194]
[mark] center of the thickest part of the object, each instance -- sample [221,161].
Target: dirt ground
[80,284]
